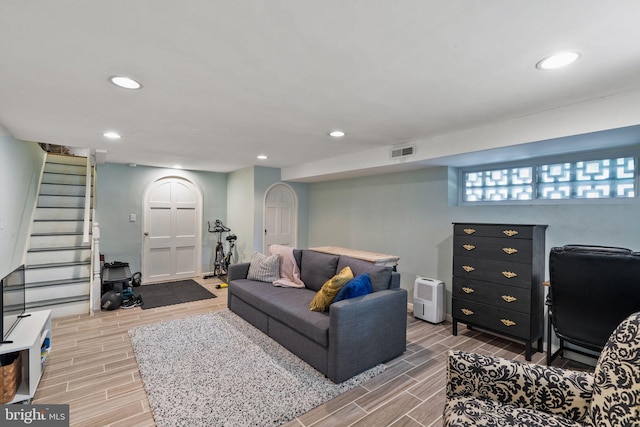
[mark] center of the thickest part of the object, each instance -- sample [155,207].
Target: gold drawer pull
[469,230]
[509,251]
[509,274]
[509,298]
[468,290]
[508,322]
[469,247]
[468,268]
[510,233]
[466,311]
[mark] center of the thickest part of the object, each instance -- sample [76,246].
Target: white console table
[29,338]
[372,257]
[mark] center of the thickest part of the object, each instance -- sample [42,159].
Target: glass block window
[592,179]
[498,185]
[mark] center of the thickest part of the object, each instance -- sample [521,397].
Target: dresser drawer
[507,273]
[493,318]
[494,230]
[493,294]
[511,250]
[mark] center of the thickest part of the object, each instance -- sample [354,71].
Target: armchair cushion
[616,391]
[544,390]
[471,411]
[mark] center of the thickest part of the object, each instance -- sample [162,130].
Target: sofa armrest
[365,331]
[553,390]
[238,271]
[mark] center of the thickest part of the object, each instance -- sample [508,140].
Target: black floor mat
[161,294]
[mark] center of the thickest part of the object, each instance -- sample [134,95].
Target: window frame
[633,152]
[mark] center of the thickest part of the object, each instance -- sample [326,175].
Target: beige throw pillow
[264,268]
[325,296]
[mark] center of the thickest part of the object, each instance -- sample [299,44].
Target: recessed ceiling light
[177,167]
[125,82]
[111,135]
[262,157]
[337,133]
[558,60]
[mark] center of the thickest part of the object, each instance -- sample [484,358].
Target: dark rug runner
[161,294]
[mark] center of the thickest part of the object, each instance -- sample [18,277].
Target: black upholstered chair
[592,289]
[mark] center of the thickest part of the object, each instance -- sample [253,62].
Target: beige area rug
[218,370]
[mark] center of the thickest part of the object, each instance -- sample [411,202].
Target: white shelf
[28,337]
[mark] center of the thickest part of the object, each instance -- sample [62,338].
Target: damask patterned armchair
[490,391]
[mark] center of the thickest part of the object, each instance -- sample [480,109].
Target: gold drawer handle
[509,274]
[510,233]
[509,251]
[508,322]
[469,230]
[466,311]
[468,268]
[468,290]
[509,298]
[469,247]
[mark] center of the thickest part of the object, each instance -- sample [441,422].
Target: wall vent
[405,151]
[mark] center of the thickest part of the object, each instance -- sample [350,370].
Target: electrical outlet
[132,217]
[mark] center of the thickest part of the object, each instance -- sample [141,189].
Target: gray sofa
[353,336]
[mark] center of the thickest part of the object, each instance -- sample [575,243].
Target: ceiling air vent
[399,152]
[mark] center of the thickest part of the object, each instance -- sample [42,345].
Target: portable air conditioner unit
[428,300]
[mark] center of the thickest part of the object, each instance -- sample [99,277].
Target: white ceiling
[225,81]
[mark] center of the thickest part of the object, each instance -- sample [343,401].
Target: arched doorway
[280,213]
[172,229]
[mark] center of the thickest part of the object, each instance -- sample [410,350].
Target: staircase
[58,266]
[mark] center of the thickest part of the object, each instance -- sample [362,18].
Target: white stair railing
[87,203]
[96,283]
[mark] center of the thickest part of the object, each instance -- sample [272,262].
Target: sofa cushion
[356,287]
[379,274]
[264,268]
[330,289]
[292,309]
[316,268]
[254,292]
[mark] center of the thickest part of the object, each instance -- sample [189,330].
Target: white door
[280,212]
[172,230]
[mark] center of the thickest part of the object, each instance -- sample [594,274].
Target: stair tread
[57,264]
[60,195]
[59,207]
[58,282]
[56,301]
[56,220]
[60,248]
[59,233]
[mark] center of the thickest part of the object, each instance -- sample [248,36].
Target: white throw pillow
[264,268]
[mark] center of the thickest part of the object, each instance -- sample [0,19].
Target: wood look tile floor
[92,368]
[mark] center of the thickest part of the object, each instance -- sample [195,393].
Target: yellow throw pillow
[330,289]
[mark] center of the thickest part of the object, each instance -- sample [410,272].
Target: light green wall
[241,211]
[20,168]
[302,193]
[409,214]
[120,192]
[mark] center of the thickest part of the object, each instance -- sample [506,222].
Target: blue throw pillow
[358,286]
